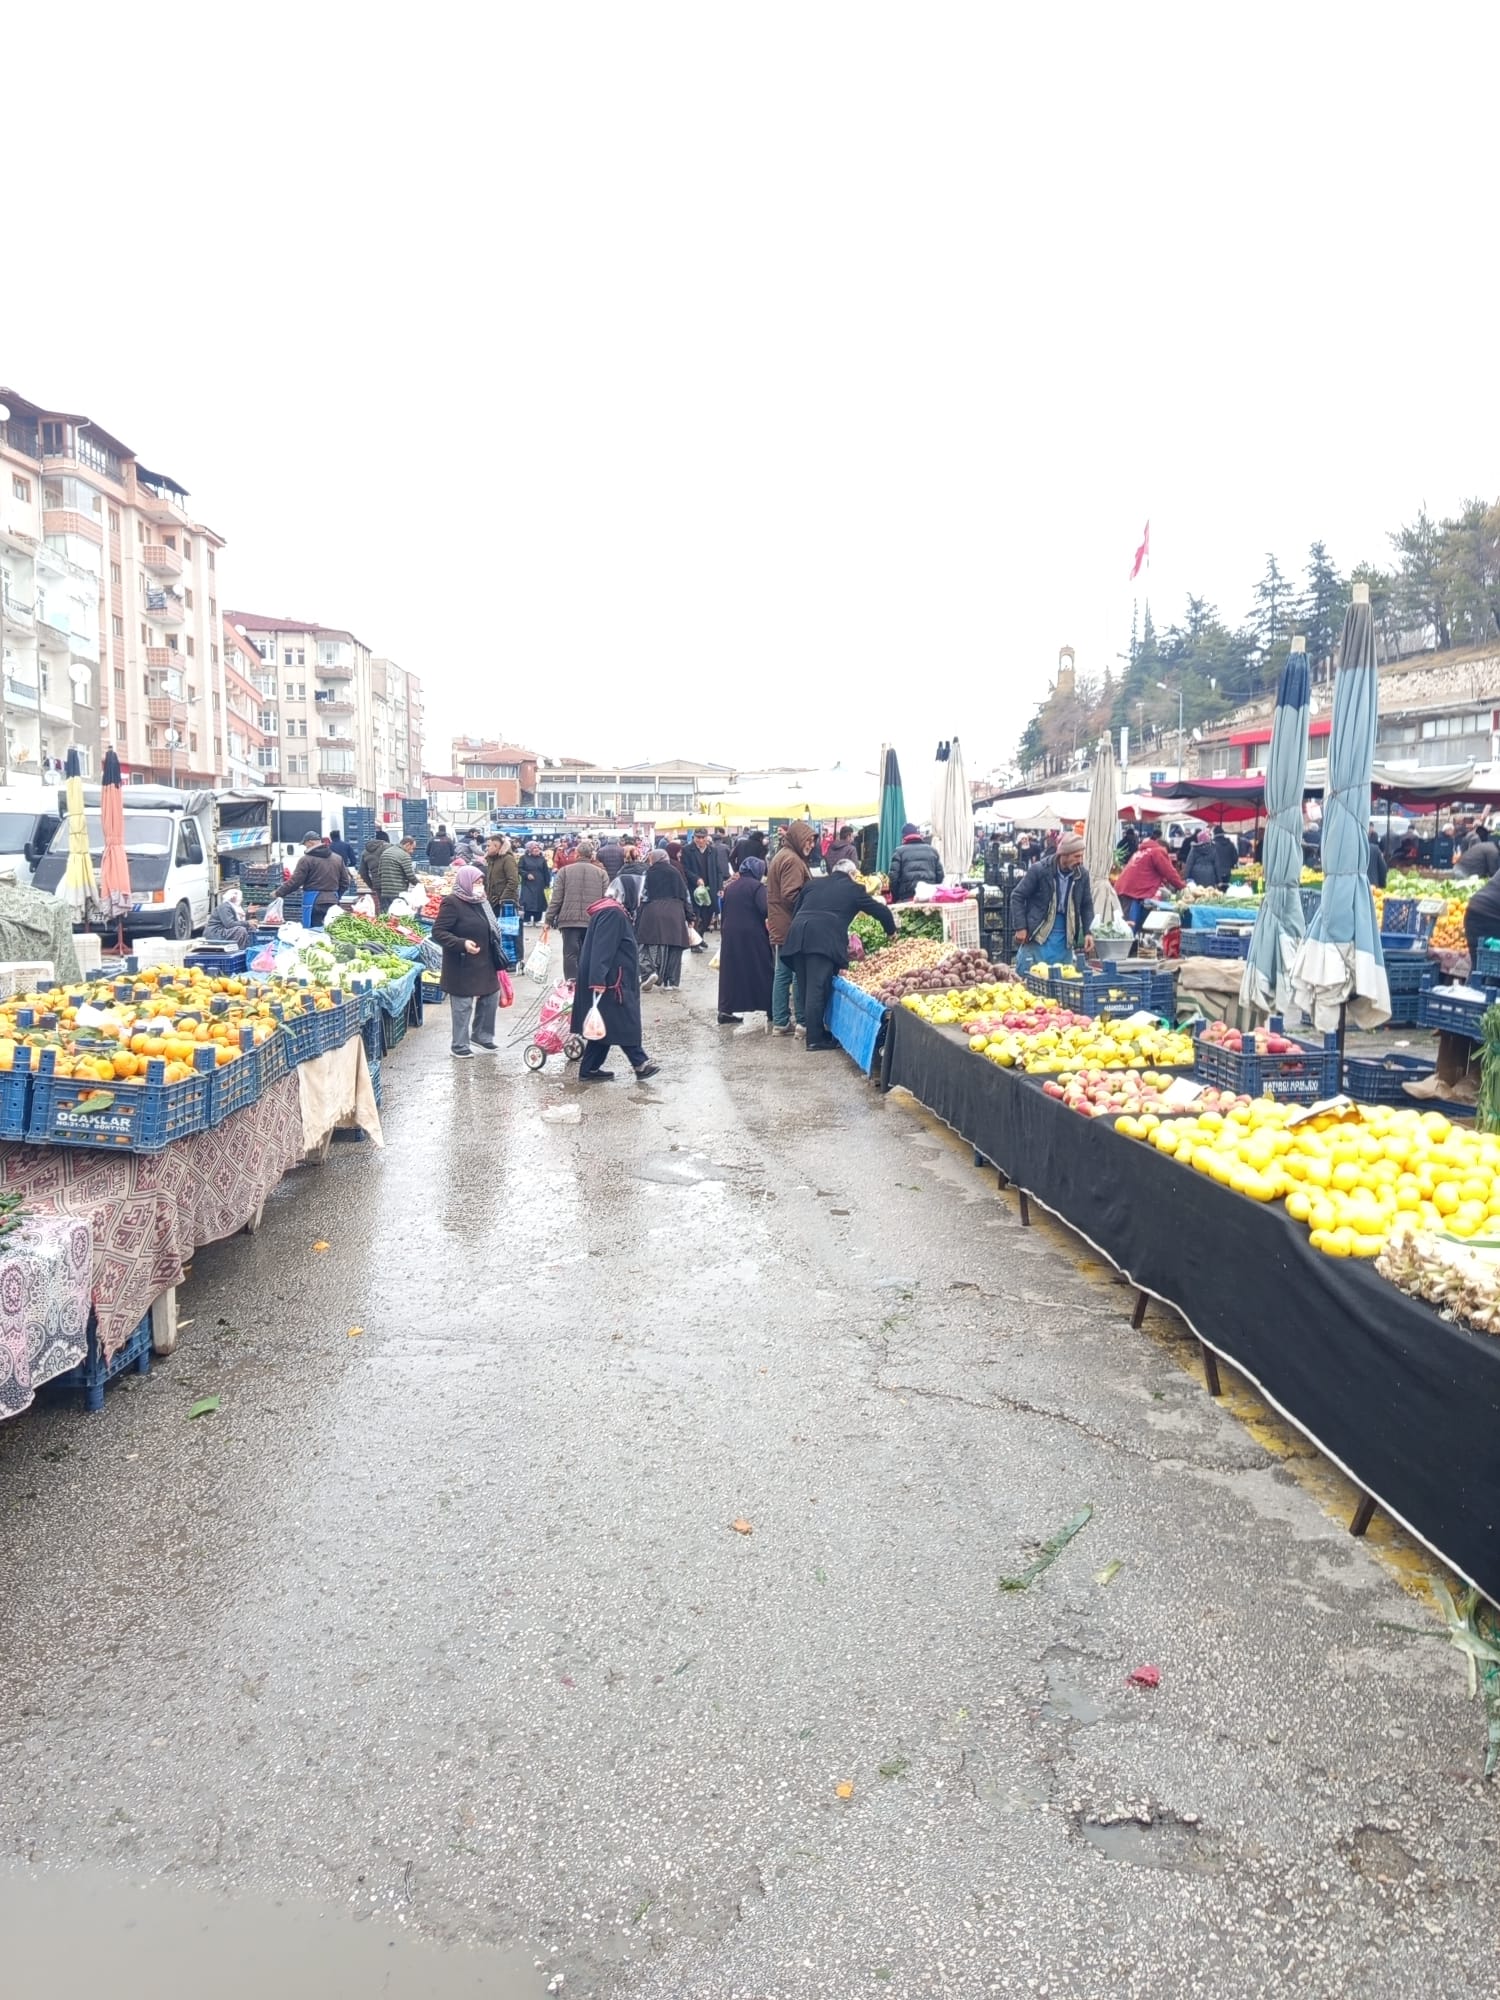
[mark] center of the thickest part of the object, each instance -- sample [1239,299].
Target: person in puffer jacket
[915,860]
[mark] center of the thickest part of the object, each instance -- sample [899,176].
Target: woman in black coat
[536,880]
[746,965]
[818,942]
[661,924]
[472,958]
[609,977]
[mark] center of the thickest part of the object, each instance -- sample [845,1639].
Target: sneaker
[456,1053]
[596,1076]
[648,982]
[786,1029]
[800,1030]
[490,1048]
[647,1069]
[730,1020]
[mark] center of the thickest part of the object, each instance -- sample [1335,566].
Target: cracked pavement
[440,1638]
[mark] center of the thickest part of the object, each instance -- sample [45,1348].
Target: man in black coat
[702,866]
[817,945]
[609,975]
[318,881]
[915,860]
[1226,856]
[1056,886]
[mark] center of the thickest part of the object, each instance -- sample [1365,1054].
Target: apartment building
[396,737]
[315,689]
[129,642]
[252,749]
[494,775]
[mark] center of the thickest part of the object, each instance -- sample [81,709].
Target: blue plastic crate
[1405,1010]
[1402,913]
[1487,961]
[1307,1074]
[223,963]
[90,1375]
[140,1117]
[1231,943]
[856,1020]
[1409,942]
[1438,1007]
[15,1094]
[310,1035]
[393,1029]
[1405,971]
[233,1086]
[1380,1079]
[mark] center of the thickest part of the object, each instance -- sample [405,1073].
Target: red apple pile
[1107,1093]
[1260,1042]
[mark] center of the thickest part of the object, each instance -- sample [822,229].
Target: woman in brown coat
[577,886]
[472,958]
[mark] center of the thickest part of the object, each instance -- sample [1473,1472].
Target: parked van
[172,844]
[29,816]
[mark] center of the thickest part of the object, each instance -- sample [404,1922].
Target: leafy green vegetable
[920,923]
[870,934]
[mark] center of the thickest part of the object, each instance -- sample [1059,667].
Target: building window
[145,633]
[213,609]
[117,624]
[140,531]
[187,598]
[116,576]
[120,680]
[169,541]
[286,657]
[210,558]
[267,718]
[187,548]
[20,487]
[120,732]
[114,520]
[193,744]
[296,690]
[146,682]
[213,654]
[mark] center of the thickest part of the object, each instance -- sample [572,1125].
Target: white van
[171,846]
[29,816]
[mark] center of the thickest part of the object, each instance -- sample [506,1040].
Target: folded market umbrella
[1266,984]
[952,813]
[1101,833]
[77,886]
[892,811]
[114,870]
[1339,965]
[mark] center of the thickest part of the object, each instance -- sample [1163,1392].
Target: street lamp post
[1166,690]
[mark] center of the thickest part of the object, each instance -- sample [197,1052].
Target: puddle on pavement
[1164,1844]
[1066,1701]
[76,1934]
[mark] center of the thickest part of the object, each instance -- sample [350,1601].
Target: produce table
[45,1273]
[148,1212]
[1407,1404]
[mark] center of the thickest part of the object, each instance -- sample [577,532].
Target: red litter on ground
[1144,1677]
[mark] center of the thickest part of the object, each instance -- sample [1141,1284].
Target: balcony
[329,704]
[163,708]
[340,780]
[165,607]
[20,694]
[15,613]
[63,521]
[327,673]
[335,742]
[164,506]
[160,560]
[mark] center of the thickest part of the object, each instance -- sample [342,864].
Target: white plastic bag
[694,940]
[538,961]
[365,906]
[594,1029]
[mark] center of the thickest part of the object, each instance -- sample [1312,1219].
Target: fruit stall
[1343,1255]
[150,1110]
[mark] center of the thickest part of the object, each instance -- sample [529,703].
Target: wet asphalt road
[434,1651]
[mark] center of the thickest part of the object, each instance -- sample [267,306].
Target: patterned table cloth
[148,1212]
[45,1273]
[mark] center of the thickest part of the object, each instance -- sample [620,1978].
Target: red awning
[1321,725]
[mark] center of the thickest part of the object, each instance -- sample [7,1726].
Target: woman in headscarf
[661,925]
[1201,867]
[227,923]
[745,961]
[472,958]
[609,978]
[536,879]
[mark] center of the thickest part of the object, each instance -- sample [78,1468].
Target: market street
[445,1622]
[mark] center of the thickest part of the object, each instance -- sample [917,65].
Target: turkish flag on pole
[1143,553]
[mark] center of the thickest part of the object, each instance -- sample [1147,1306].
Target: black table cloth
[1406,1403]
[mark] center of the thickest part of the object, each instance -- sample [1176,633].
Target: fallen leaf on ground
[1050,1550]
[894,1766]
[204,1406]
[1144,1677]
[320,1246]
[742,1527]
[355,1332]
[1109,1572]
[844,1790]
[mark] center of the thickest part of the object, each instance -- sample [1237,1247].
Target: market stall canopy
[1045,812]
[892,810]
[1101,834]
[952,812]
[829,794]
[1266,985]
[1340,964]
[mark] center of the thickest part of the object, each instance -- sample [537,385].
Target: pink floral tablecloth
[46,1272]
[148,1212]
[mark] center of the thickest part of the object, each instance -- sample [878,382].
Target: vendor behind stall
[1052,907]
[1482,917]
[1143,878]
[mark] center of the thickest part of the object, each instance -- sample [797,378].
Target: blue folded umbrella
[1266,984]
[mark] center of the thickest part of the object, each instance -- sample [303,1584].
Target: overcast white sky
[755,383]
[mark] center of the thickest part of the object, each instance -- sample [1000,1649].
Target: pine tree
[1420,598]
[1324,600]
[1469,572]
[1271,618]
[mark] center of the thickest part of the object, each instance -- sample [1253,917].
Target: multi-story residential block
[495,775]
[128,648]
[396,737]
[316,685]
[252,747]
